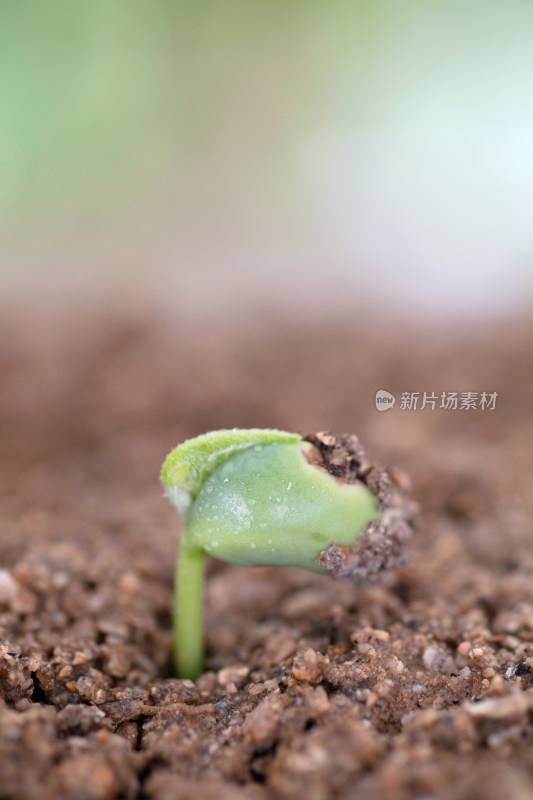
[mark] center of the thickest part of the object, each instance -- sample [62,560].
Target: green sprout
[253,497]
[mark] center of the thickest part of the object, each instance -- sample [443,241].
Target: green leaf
[188,466]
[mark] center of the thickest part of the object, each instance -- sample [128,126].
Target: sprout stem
[188,611]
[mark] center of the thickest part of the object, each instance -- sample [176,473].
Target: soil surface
[420,686]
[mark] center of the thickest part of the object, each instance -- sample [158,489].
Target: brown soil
[418,686]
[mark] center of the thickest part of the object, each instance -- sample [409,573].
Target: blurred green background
[250,151]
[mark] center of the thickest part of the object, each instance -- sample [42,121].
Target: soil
[418,686]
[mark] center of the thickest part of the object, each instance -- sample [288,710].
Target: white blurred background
[237,156]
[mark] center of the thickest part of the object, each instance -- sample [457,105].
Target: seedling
[258,497]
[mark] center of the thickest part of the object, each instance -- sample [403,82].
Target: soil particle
[309,667]
[382,546]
